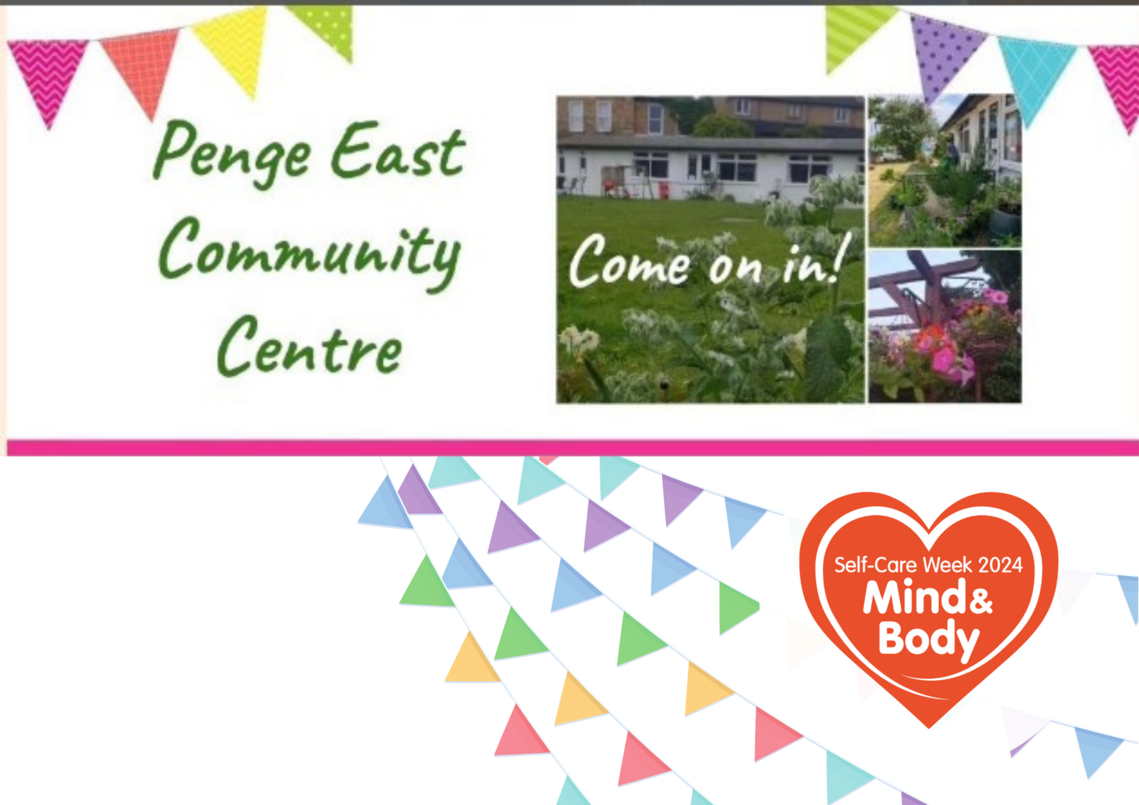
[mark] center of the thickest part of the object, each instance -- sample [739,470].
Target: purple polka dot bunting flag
[942,49]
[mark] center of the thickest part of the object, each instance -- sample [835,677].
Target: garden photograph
[946,175]
[945,326]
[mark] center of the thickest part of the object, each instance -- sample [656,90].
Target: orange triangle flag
[143,61]
[638,763]
[703,690]
[576,703]
[519,738]
[471,665]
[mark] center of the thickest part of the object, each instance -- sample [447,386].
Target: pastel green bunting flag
[699,799]
[518,639]
[735,607]
[537,479]
[426,588]
[451,470]
[843,778]
[570,795]
[636,640]
[614,471]
[333,24]
[848,27]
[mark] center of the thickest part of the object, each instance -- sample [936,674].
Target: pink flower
[996,297]
[943,360]
[965,372]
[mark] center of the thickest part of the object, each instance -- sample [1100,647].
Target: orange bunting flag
[143,61]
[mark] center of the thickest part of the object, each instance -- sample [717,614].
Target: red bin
[664,191]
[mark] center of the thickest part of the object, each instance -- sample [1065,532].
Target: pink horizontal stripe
[592,447]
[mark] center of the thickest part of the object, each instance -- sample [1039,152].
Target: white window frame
[576,113]
[811,161]
[607,116]
[1009,112]
[649,119]
[794,111]
[703,163]
[736,159]
[842,114]
[561,163]
[581,163]
[652,158]
[743,107]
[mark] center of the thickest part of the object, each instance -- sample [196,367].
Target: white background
[102,347]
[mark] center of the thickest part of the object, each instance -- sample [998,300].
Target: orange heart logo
[928,612]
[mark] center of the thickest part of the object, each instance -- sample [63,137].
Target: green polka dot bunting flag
[333,24]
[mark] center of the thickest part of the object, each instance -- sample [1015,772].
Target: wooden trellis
[934,306]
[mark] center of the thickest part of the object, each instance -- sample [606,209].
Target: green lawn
[633,226]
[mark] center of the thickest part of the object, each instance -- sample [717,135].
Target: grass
[632,227]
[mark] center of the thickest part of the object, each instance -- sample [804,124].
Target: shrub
[722,126]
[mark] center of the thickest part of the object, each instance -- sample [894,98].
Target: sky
[891,262]
[942,108]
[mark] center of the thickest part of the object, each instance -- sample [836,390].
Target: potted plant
[1004,218]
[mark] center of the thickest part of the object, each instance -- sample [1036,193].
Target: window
[561,164]
[801,167]
[656,118]
[581,163]
[603,113]
[841,114]
[862,168]
[743,107]
[577,116]
[736,167]
[966,141]
[651,163]
[699,166]
[994,121]
[981,129]
[794,111]
[1012,136]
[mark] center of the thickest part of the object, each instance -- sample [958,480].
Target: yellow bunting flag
[235,40]
[849,26]
[471,665]
[576,703]
[703,690]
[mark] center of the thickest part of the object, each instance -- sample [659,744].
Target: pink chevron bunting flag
[143,61]
[48,68]
[1119,67]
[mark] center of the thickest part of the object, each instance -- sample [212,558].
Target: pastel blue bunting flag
[450,470]
[614,471]
[385,509]
[1095,748]
[699,799]
[1034,68]
[668,568]
[570,795]
[463,571]
[571,588]
[537,479]
[741,518]
[843,778]
[1130,585]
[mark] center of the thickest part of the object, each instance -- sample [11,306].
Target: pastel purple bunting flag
[416,497]
[509,530]
[677,497]
[943,49]
[908,800]
[601,526]
[48,68]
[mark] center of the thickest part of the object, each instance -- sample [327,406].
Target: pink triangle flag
[143,61]
[943,49]
[638,763]
[1119,67]
[48,68]
[519,738]
[677,497]
[546,459]
[601,526]
[771,734]
[509,530]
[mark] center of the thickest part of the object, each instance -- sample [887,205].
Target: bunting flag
[1034,68]
[698,798]
[638,763]
[384,508]
[509,530]
[908,800]
[1020,728]
[802,643]
[235,41]
[1130,587]
[742,518]
[333,24]
[600,526]
[416,497]
[703,690]
[571,588]
[614,472]
[1095,749]
[735,607]
[843,778]
[48,69]
[636,640]
[576,703]
[1069,585]
[518,639]
[771,734]
[519,738]
[449,471]
[547,460]
[848,27]
[570,795]
[537,479]
[426,588]
[1119,68]
[668,568]
[143,61]
[678,496]
[462,570]
[471,665]
[942,50]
